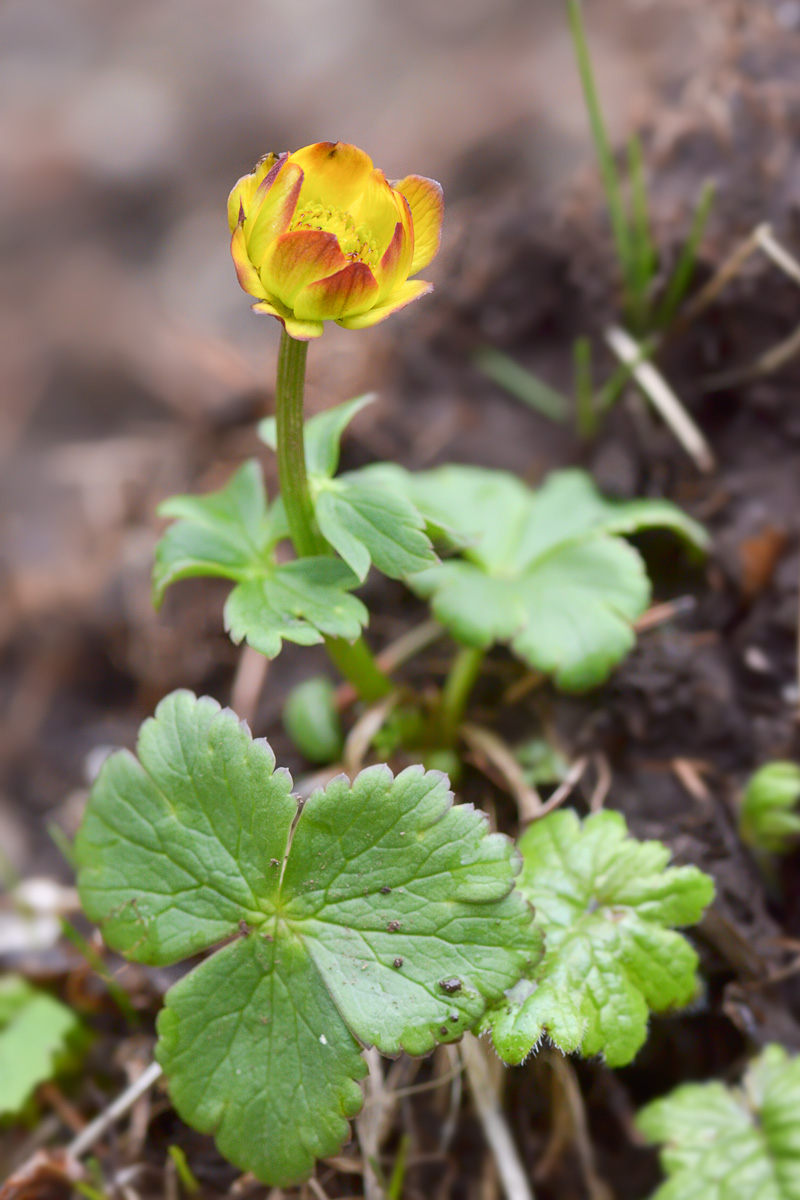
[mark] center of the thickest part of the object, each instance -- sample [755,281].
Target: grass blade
[586,416]
[681,276]
[532,391]
[608,168]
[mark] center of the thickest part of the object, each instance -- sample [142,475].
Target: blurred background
[131,366]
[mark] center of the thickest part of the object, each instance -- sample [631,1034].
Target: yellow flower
[320,235]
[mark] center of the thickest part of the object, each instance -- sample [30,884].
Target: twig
[779,254]
[721,277]
[603,785]
[317,1189]
[513,1175]
[663,398]
[566,787]
[360,736]
[95,1130]
[369,1123]
[488,745]
[596,1187]
[659,614]
[409,644]
[248,683]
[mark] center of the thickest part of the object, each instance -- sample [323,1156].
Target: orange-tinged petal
[335,173]
[303,331]
[350,291]
[245,271]
[241,197]
[273,205]
[426,200]
[376,209]
[392,270]
[298,258]
[411,290]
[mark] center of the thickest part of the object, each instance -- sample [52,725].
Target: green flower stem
[295,491]
[355,662]
[457,689]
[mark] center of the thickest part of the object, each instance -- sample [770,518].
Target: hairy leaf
[738,1143]
[544,571]
[377,914]
[607,905]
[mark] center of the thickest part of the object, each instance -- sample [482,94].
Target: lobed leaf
[543,571]
[363,517]
[232,533]
[377,914]
[606,904]
[228,533]
[739,1143]
[300,601]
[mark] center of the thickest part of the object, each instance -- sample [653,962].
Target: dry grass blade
[513,1176]
[488,747]
[663,398]
[87,1138]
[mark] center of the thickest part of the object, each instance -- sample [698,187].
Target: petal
[350,291]
[335,173]
[426,200]
[241,197]
[303,331]
[376,208]
[395,265]
[245,271]
[411,290]
[273,208]
[298,258]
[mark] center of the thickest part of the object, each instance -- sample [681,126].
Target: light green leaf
[231,533]
[606,904]
[228,533]
[368,524]
[768,819]
[542,570]
[300,601]
[322,434]
[739,1143]
[377,914]
[34,1032]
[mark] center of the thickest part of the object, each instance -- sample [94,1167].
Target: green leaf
[606,904]
[376,914]
[542,570]
[300,601]
[312,721]
[322,433]
[367,524]
[228,533]
[232,533]
[768,819]
[34,1033]
[738,1143]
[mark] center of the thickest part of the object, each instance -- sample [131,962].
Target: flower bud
[320,235]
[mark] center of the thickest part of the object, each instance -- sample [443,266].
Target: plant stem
[296,494]
[355,662]
[457,689]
